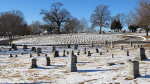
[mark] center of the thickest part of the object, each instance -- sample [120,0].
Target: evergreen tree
[119,26]
[133,28]
[116,25]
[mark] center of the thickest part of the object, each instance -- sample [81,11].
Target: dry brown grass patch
[44,78]
[16,76]
[146,45]
[147,37]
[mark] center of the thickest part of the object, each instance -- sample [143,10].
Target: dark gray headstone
[30,55]
[74,57]
[72,64]
[106,43]
[73,67]
[112,55]
[39,50]
[22,53]
[92,45]
[69,46]
[122,47]
[97,50]
[127,52]
[14,46]
[89,53]
[10,55]
[56,53]
[16,55]
[34,63]
[45,55]
[10,49]
[64,53]
[142,54]
[48,61]
[85,51]
[78,53]
[76,46]
[25,47]
[33,49]
[53,49]
[107,50]
[67,52]
[131,43]
[38,54]
[101,53]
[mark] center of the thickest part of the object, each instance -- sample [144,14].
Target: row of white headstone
[69,39]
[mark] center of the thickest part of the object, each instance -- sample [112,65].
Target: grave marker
[133,69]
[84,50]
[34,63]
[48,61]
[56,53]
[64,53]
[33,49]
[10,55]
[127,52]
[25,47]
[97,50]
[71,64]
[14,46]
[142,54]
[89,53]
[53,49]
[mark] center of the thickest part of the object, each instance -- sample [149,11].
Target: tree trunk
[58,28]
[146,32]
[100,30]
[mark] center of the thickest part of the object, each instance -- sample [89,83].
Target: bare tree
[72,26]
[100,17]
[36,27]
[131,18]
[83,26]
[75,25]
[56,15]
[13,22]
[144,15]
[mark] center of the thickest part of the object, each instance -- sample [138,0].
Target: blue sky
[78,8]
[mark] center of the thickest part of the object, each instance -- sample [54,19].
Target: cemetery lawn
[94,69]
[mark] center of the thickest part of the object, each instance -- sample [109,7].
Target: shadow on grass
[50,67]
[58,65]
[146,76]
[146,60]
[43,68]
[37,83]
[63,56]
[92,70]
[83,62]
